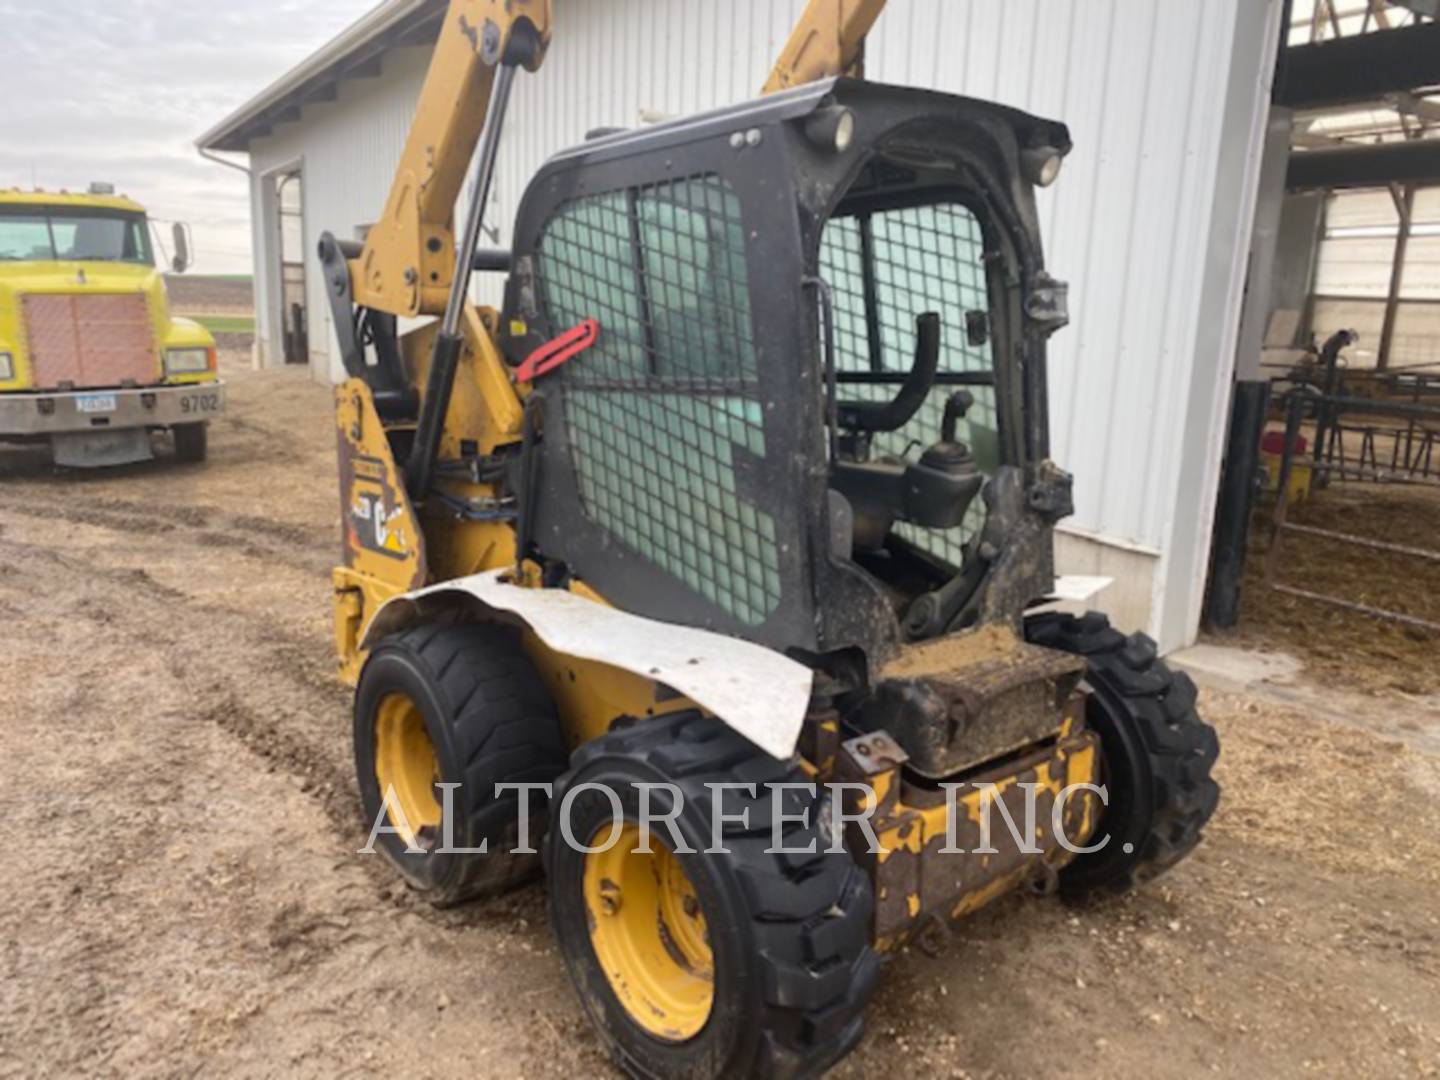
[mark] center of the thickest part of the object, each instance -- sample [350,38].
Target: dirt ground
[182,893]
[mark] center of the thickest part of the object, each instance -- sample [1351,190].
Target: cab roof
[801,101]
[16,197]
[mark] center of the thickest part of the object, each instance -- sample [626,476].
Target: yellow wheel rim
[407,768]
[649,934]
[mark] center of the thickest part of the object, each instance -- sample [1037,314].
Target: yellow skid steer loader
[709,573]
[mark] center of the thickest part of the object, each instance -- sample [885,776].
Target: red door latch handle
[561,350]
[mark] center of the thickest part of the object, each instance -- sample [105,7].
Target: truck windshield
[88,236]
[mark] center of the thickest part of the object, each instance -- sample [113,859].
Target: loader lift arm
[409,261]
[412,262]
[828,40]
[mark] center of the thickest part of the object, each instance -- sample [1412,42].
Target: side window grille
[665,413]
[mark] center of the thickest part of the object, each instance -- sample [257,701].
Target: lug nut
[610,897]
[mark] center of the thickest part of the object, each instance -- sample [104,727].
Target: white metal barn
[1150,221]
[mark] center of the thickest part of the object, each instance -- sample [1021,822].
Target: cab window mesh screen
[885,269]
[664,413]
[588,267]
[696,286]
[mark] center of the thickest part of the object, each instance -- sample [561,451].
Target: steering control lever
[895,414]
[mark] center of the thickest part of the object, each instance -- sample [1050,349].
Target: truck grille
[88,341]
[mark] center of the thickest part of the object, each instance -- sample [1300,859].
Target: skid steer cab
[704,574]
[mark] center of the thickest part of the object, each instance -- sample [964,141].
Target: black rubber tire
[1158,754]
[490,721]
[790,933]
[192,442]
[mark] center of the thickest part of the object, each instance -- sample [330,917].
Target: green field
[226,324]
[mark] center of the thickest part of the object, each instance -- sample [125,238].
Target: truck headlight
[186,361]
[7,367]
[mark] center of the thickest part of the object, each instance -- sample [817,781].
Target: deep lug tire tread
[1138,694]
[501,727]
[808,916]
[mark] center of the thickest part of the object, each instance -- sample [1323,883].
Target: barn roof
[355,54]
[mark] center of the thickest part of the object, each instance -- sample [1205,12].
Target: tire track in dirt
[256,538]
[281,734]
[90,834]
[143,610]
[280,730]
[278,446]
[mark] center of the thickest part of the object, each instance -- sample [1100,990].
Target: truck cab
[91,360]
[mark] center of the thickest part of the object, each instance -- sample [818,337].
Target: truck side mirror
[181,262]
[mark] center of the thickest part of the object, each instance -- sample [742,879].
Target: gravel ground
[182,892]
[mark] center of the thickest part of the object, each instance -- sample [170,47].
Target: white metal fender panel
[1073,593]
[759,692]
[1080,588]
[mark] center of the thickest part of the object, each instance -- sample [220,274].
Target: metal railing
[1330,461]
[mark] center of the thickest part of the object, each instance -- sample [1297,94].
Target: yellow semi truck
[91,360]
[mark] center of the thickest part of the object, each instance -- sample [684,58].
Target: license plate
[95,403]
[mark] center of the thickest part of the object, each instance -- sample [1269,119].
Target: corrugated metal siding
[1136,82]
[612,61]
[1132,222]
[1139,84]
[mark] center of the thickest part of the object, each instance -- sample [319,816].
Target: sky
[119,92]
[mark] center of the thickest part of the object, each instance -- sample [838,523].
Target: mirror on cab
[183,258]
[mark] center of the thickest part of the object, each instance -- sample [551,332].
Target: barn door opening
[289,197]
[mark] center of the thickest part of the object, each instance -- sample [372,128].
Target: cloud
[120,92]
